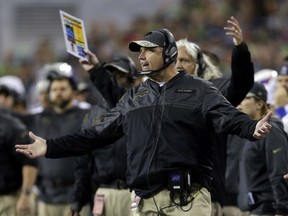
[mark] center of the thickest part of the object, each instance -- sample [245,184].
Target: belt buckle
[119,184]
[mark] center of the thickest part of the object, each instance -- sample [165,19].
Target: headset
[169,53]
[200,62]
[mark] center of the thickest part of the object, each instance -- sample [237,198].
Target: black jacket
[234,149]
[12,131]
[166,128]
[241,81]
[101,166]
[108,87]
[262,166]
[106,165]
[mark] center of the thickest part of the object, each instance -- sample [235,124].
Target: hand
[25,205]
[36,149]
[285,176]
[280,96]
[93,60]
[234,31]
[263,127]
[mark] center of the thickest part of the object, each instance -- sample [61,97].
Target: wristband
[26,191]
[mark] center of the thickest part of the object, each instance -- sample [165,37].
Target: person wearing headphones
[192,60]
[166,120]
[195,62]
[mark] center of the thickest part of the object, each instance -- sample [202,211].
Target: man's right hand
[92,61]
[34,150]
[234,30]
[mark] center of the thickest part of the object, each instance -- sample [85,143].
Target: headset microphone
[149,72]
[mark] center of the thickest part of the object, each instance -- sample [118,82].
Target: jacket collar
[170,82]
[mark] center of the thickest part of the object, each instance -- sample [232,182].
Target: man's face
[282,80]
[122,79]
[43,98]
[185,61]
[61,94]
[151,58]
[250,106]
[6,101]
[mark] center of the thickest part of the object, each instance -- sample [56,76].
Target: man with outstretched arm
[166,120]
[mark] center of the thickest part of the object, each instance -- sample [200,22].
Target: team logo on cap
[144,43]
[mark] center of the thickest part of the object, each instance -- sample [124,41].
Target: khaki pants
[116,202]
[261,215]
[8,204]
[45,209]
[233,211]
[216,209]
[200,206]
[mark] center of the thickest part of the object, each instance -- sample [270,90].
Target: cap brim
[250,94]
[117,66]
[134,46]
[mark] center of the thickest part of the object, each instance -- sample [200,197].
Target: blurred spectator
[12,94]
[262,189]
[43,98]
[60,117]
[17,173]
[82,95]
[281,96]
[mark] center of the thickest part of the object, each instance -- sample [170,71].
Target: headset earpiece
[200,62]
[170,51]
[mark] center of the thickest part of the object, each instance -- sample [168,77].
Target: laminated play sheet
[74,35]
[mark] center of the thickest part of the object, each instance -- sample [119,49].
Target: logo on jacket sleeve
[141,93]
[276,150]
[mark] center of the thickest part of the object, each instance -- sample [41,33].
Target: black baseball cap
[119,64]
[124,64]
[151,39]
[258,90]
[283,70]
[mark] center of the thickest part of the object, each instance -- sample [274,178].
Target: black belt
[117,184]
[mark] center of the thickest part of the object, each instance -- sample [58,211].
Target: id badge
[135,203]
[98,207]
